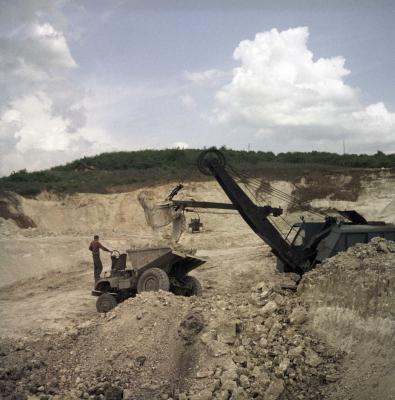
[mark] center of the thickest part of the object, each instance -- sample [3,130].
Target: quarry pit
[254,333]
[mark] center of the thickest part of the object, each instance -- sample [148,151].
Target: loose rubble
[251,343]
[256,346]
[230,346]
[131,352]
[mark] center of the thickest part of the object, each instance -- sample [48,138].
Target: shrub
[101,172]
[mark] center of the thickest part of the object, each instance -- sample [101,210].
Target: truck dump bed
[165,258]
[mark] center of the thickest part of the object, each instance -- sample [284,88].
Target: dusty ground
[242,339]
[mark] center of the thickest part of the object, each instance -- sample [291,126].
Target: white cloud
[43,120]
[36,53]
[210,76]
[16,13]
[30,121]
[53,44]
[279,89]
[188,102]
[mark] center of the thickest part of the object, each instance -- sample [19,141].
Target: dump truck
[310,242]
[148,269]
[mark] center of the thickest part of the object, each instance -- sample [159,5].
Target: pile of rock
[256,346]
[133,352]
[241,346]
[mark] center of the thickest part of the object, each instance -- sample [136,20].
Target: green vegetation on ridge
[108,171]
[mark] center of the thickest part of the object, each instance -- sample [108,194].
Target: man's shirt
[95,247]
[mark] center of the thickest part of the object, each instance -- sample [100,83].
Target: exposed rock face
[352,305]
[10,208]
[352,295]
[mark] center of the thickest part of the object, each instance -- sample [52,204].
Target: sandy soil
[46,279]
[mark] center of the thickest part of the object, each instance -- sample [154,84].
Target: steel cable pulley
[212,155]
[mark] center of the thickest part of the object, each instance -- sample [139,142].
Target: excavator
[311,242]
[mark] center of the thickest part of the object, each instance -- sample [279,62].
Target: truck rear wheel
[194,286]
[152,280]
[105,303]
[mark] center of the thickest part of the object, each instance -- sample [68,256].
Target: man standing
[95,247]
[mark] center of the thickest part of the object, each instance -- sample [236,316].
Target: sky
[84,77]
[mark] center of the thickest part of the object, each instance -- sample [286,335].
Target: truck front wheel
[105,303]
[193,285]
[152,280]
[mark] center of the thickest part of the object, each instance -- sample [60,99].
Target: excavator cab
[305,232]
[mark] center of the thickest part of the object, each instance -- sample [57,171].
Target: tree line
[101,172]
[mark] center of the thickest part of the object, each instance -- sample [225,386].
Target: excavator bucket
[162,214]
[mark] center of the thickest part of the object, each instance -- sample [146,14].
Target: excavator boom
[212,162]
[313,242]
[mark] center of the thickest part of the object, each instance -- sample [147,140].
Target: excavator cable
[272,191]
[254,196]
[213,212]
[256,185]
[277,193]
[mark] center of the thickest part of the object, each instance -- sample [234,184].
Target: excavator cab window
[300,235]
[296,235]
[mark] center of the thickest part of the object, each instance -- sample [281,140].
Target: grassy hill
[119,171]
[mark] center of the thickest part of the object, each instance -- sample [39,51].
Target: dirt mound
[352,302]
[133,352]
[159,346]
